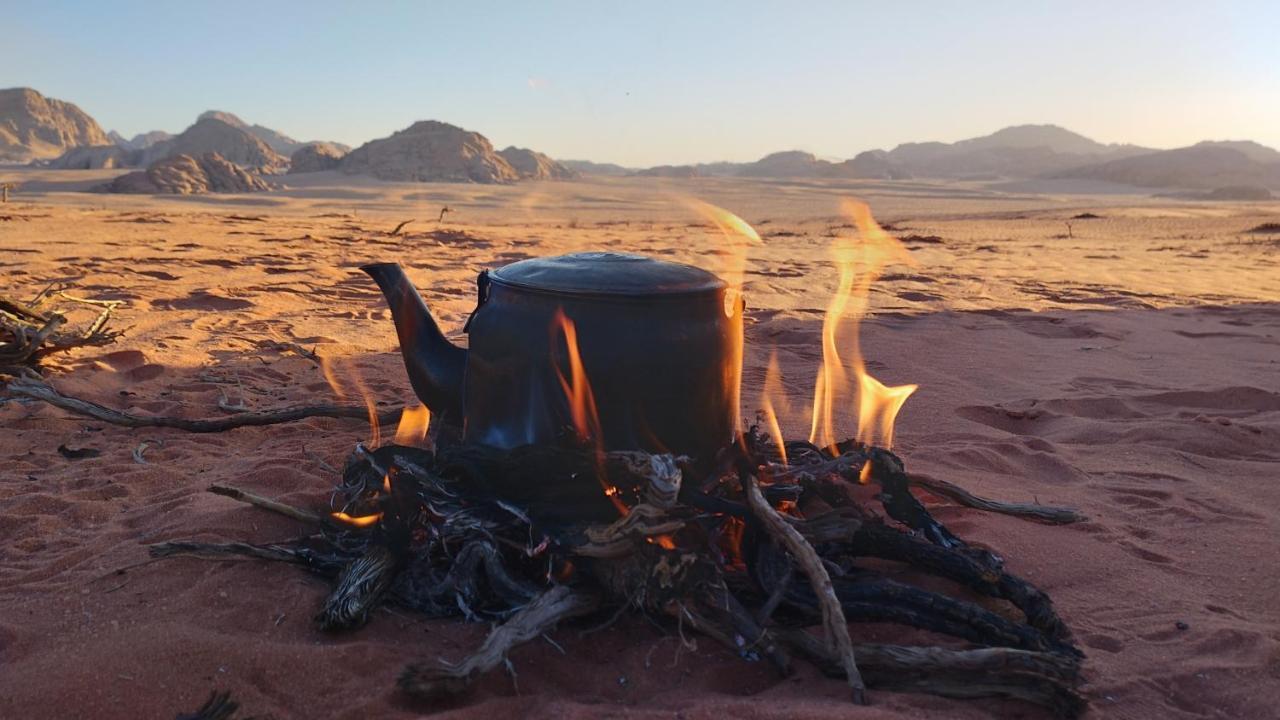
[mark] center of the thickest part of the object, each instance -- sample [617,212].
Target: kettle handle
[482,297]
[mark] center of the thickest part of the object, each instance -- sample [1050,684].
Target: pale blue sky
[643,83]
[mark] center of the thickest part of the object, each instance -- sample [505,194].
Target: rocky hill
[210,135]
[1204,166]
[430,151]
[187,175]
[531,165]
[316,157]
[34,127]
[274,139]
[94,157]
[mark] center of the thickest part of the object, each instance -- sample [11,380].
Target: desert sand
[1128,366]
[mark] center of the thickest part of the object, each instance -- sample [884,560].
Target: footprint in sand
[203,300]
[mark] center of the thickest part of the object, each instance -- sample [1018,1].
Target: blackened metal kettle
[660,344]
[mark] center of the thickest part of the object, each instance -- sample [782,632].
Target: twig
[833,620]
[400,227]
[362,584]
[266,503]
[955,493]
[440,680]
[41,391]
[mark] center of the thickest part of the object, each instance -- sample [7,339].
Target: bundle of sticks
[771,551]
[32,330]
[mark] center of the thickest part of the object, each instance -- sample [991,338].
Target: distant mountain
[430,151]
[586,167]
[274,139]
[1208,165]
[141,141]
[1022,151]
[531,165]
[34,127]
[670,171]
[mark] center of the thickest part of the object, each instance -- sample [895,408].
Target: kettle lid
[607,273]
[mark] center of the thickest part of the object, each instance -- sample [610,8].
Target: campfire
[539,486]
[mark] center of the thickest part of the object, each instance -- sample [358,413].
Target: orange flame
[735,231]
[414,422]
[582,403]
[327,367]
[357,520]
[773,389]
[859,264]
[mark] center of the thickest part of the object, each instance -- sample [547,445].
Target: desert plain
[1126,364]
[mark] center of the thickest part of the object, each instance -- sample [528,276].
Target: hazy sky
[644,83]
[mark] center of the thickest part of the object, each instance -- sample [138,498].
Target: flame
[864,475]
[582,403]
[358,520]
[735,231]
[860,264]
[772,389]
[327,366]
[414,422]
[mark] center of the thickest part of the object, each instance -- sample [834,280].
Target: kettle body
[626,351]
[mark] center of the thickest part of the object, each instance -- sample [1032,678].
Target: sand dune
[1128,365]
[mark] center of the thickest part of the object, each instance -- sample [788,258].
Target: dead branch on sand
[37,390]
[30,331]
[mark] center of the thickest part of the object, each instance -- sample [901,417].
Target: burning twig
[434,681]
[42,391]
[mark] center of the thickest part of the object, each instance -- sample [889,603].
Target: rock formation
[274,139]
[670,171]
[142,141]
[430,151]
[586,167]
[94,157]
[315,158]
[211,135]
[34,127]
[531,165]
[186,175]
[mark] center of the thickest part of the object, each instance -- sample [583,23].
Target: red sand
[1153,409]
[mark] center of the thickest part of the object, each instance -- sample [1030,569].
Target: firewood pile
[772,552]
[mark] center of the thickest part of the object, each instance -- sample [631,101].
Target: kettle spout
[436,366]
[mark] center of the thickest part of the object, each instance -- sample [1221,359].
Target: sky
[646,83]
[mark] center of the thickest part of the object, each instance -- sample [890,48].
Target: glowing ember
[859,264]
[864,475]
[582,403]
[357,520]
[414,422]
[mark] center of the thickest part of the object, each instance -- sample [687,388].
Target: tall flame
[773,389]
[414,422]
[739,236]
[860,264]
[330,375]
[582,403]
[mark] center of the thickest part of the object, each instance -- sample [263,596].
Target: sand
[1130,370]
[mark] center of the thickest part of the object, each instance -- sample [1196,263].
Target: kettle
[660,344]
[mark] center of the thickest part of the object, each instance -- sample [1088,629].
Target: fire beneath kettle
[749,538]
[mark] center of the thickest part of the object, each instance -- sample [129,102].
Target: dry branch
[955,493]
[833,620]
[41,391]
[441,680]
[265,503]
